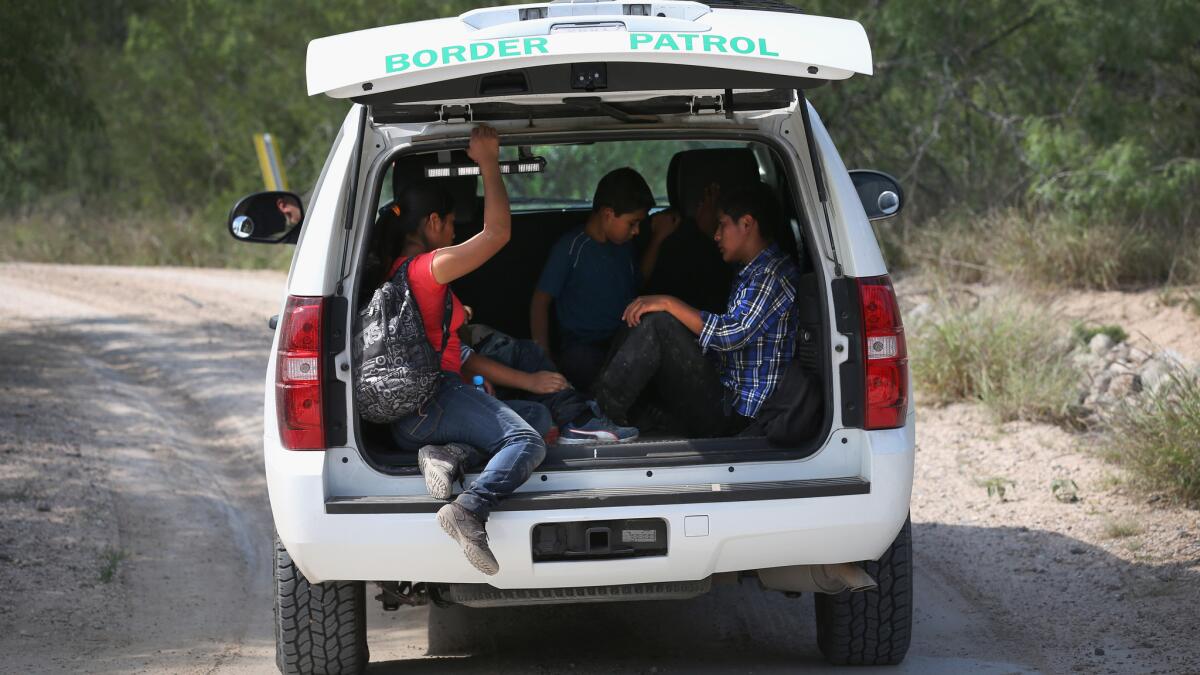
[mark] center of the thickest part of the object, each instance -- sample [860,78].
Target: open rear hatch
[609,52]
[592,59]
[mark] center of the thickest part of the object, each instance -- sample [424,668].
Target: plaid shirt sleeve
[754,303]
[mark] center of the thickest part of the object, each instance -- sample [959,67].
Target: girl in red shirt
[460,420]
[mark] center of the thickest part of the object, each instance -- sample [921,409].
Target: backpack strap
[403,270]
[447,309]
[447,315]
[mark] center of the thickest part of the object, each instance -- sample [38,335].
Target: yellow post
[268,160]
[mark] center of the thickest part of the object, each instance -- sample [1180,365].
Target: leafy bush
[1001,353]
[1157,436]
[1084,333]
[1125,177]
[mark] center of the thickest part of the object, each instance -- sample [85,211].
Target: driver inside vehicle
[289,206]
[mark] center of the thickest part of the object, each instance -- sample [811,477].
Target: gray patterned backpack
[396,370]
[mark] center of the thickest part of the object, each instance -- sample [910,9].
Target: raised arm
[452,262]
[662,225]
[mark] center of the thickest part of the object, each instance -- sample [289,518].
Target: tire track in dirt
[183,474]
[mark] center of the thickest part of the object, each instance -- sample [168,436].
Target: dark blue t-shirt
[591,284]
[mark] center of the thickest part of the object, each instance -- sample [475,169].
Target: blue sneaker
[599,429]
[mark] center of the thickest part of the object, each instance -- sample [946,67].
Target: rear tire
[872,628]
[319,628]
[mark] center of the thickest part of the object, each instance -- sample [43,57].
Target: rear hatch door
[610,50]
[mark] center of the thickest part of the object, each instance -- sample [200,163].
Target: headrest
[463,189]
[691,171]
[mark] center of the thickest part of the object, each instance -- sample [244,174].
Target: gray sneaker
[442,465]
[470,534]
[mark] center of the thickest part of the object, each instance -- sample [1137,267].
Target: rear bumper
[740,535]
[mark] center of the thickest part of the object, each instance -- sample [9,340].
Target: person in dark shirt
[682,260]
[590,277]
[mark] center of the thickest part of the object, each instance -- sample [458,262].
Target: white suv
[574,89]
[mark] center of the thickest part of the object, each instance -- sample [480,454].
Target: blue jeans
[460,413]
[526,356]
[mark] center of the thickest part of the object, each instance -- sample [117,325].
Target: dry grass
[1157,437]
[1044,250]
[1116,528]
[66,237]
[1000,352]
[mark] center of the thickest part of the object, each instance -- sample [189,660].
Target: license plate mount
[599,539]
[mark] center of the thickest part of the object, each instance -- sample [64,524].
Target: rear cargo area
[547,206]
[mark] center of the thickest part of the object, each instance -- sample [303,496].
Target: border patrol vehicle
[715,86]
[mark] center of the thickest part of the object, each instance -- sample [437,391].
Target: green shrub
[110,563]
[1157,436]
[1084,333]
[1001,353]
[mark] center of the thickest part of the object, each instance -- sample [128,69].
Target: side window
[774,175]
[386,191]
[767,169]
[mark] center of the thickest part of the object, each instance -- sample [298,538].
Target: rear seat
[499,291]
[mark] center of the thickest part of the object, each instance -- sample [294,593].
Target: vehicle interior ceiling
[499,292]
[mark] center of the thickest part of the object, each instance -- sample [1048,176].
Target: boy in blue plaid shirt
[711,372]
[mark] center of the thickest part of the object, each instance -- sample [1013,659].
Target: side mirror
[267,218]
[881,194]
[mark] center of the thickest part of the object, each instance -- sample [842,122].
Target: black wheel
[319,628]
[872,628]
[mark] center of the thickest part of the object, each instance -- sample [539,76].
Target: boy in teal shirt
[591,277]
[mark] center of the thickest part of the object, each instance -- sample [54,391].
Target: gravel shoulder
[133,516]
[130,403]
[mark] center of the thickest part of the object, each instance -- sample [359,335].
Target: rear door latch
[707,105]
[452,113]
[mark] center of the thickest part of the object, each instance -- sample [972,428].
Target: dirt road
[135,532]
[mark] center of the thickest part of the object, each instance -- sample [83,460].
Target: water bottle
[478,382]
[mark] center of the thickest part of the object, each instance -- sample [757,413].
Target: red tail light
[884,353]
[298,375]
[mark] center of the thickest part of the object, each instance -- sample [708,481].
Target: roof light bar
[523,165]
[490,17]
[602,27]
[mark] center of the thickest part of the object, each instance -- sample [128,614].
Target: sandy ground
[135,531]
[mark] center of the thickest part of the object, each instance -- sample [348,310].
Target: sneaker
[599,429]
[442,465]
[470,534]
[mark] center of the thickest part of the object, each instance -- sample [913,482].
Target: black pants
[662,357]
[580,362]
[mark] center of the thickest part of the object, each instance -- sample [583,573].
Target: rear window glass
[572,171]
